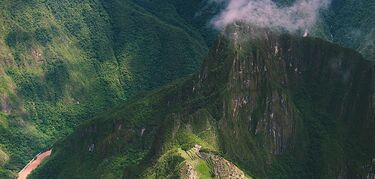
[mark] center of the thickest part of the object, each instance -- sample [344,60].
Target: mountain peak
[274,104]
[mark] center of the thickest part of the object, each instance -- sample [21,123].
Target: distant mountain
[274,105]
[351,23]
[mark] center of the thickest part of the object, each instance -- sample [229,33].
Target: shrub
[43,36]
[17,37]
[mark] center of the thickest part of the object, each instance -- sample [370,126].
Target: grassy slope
[64,61]
[319,108]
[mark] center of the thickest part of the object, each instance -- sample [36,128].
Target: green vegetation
[63,62]
[203,170]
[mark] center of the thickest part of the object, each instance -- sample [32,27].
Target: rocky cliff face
[276,105]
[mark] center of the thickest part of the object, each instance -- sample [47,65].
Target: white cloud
[301,15]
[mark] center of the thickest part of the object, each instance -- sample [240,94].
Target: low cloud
[301,15]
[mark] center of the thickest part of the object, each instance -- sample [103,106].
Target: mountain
[61,62]
[351,23]
[270,105]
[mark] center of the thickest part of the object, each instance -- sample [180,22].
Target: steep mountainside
[275,105]
[63,61]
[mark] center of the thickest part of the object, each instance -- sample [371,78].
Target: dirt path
[33,164]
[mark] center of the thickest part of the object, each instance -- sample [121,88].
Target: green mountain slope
[275,105]
[63,61]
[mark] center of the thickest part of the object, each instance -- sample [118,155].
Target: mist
[300,15]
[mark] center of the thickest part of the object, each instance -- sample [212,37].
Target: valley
[33,164]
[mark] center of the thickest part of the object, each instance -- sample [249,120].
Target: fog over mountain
[302,14]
